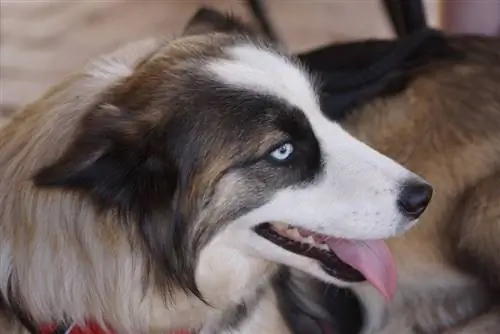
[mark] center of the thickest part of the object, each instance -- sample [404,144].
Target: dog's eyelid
[283,140]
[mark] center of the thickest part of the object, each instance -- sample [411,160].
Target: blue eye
[283,152]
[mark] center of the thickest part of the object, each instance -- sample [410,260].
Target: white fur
[356,196]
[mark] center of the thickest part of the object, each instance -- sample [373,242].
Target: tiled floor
[41,40]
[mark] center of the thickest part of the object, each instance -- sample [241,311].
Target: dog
[163,187]
[439,117]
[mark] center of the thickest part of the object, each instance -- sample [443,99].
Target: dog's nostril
[414,198]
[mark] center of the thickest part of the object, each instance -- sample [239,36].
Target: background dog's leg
[476,232]
[477,247]
[487,323]
[374,308]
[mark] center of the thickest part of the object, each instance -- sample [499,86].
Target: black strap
[407,16]
[405,47]
[260,12]
[344,90]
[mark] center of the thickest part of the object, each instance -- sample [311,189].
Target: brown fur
[446,127]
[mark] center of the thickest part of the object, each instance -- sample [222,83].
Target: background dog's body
[446,126]
[444,123]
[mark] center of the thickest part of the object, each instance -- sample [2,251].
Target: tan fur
[446,127]
[62,267]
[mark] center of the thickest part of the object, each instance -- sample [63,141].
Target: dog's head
[211,137]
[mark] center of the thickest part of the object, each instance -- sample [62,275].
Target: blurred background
[41,40]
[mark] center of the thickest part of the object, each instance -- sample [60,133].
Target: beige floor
[41,40]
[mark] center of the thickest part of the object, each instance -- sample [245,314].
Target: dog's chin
[311,251]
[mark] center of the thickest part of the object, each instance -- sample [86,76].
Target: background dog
[139,191]
[438,116]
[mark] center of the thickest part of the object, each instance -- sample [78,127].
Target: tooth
[309,240]
[279,226]
[323,246]
[319,238]
[305,233]
[294,234]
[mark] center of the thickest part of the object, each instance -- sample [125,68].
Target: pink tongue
[371,258]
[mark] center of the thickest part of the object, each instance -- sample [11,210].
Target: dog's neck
[231,281]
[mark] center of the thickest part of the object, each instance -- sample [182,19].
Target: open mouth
[350,261]
[311,245]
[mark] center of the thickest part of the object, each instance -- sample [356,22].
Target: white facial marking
[266,72]
[356,195]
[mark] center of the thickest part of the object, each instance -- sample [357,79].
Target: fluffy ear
[108,161]
[79,167]
[207,20]
[82,164]
[125,163]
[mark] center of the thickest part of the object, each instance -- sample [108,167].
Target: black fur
[341,311]
[208,20]
[12,309]
[259,11]
[236,316]
[357,72]
[407,16]
[299,319]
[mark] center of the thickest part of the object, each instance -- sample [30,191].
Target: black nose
[414,198]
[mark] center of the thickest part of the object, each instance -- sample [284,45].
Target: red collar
[89,328]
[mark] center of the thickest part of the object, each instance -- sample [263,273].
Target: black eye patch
[307,152]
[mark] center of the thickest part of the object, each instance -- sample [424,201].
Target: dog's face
[220,134]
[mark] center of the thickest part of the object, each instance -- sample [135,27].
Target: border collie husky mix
[141,191]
